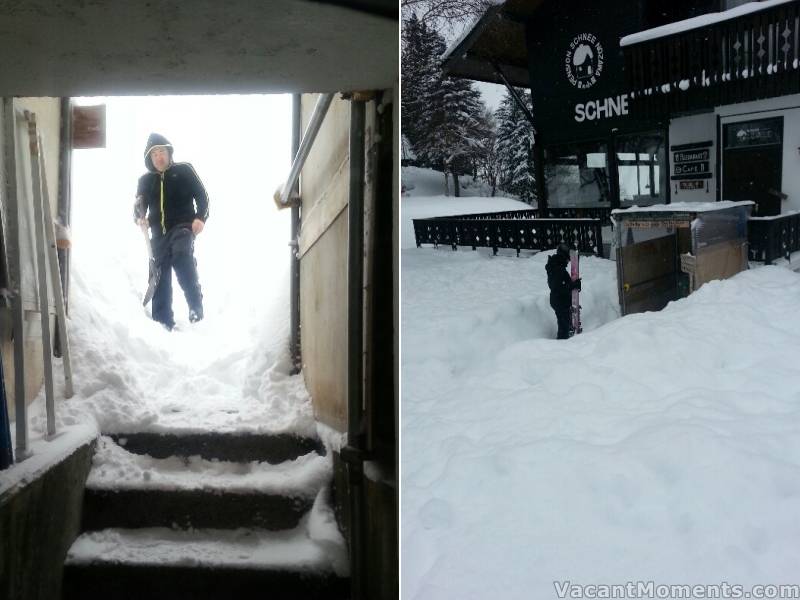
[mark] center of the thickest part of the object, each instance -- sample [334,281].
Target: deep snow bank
[660,446]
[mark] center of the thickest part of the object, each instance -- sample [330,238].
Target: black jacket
[558,279]
[184,197]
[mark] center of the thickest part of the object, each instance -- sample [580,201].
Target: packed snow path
[231,371]
[658,447]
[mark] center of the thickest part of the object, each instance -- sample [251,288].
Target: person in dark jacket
[561,286]
[171,199]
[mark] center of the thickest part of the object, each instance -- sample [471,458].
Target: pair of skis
[575,309]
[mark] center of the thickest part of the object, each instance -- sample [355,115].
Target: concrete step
[230,446]
[162,563]
[135,508]
[136,490]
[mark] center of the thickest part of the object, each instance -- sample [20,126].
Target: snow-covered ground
[658,447]
[418,181]
[424,197]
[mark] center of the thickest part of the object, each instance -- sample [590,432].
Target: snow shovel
[155,272]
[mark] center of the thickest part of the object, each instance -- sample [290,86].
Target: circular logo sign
[584,61]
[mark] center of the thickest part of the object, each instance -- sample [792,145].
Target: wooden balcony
[737,59]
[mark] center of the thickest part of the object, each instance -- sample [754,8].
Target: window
[577,175]
[641,169]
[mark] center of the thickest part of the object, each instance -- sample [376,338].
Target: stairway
[207,515]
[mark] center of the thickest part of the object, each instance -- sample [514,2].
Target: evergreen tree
[443,117]
[453,128]
[515,148]
[420,72]
[487,164]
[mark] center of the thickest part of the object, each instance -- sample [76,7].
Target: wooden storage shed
[666,251]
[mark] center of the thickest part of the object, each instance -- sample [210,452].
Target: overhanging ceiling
[138,47]
[498,37]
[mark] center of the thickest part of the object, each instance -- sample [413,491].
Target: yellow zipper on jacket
[163,226]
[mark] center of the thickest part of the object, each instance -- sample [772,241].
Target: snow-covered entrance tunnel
[659,447]
[210,467]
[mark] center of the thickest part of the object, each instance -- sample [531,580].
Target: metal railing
[20,131]
[491,230]
[568,212]
[770,238]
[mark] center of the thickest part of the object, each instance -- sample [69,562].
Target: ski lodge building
[650,102]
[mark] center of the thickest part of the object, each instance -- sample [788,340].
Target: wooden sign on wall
[88,127]
[691,162]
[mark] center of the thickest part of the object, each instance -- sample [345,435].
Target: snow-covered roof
[490,7]
[697,22]
[773,217]
[493,40]
[694,207]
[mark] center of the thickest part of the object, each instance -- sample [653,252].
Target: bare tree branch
[443,11]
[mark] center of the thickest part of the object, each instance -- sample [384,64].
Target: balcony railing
[747,57]
[771,238]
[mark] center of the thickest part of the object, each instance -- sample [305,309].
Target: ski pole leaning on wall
[31,260]
[55,275]
[47,263]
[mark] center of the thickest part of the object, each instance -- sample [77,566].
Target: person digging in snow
[561,286]
[171,200]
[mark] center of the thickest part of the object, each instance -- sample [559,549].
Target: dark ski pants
[564,319]
[175,250]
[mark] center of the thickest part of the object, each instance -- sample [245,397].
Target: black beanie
[563,250]
[153,141]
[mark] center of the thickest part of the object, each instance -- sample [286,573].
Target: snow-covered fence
[525,213]
[567,212]
[516,233]
[775,237]
[603,213]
